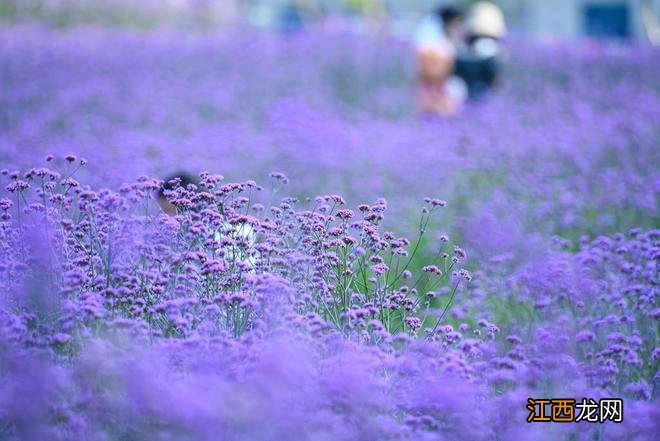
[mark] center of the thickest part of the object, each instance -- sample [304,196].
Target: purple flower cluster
[250,315]
[599,307]
[293,330]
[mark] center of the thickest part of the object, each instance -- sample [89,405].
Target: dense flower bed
[569,145]
[378,314]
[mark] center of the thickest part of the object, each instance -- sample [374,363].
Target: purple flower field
[343,269]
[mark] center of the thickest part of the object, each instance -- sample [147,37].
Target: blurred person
[479,61]
[234,232]
[291,18]
[436,41]
[297,14]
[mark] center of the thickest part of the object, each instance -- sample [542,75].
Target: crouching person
[234,238]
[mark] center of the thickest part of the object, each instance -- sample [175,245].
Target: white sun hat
[486,19]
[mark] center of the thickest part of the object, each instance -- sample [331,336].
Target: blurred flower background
[330,262]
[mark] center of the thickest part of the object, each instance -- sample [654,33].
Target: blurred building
[574,19]
[626,20]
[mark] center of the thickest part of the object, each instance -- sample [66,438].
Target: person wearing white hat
[479,63]
[486,19]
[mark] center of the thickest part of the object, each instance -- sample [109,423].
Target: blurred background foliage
[636,20]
